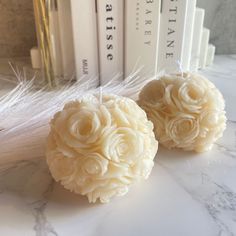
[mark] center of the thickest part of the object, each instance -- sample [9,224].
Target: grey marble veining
[186,194]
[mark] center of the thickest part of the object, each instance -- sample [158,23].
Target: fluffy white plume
[25,112]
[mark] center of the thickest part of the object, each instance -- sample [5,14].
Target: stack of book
[107,39]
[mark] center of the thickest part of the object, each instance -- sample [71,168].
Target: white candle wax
[187,111]
[97,147]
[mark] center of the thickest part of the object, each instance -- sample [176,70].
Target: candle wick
[100,95]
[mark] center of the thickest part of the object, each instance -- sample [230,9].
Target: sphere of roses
[100,146]
[187,111]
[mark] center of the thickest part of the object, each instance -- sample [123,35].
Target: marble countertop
[187,194]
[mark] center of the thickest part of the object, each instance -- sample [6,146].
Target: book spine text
[110,37]
[173,18]
[142,25]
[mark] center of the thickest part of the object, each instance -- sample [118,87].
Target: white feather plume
[25,113]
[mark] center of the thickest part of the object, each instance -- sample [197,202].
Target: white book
[173,18]
[54,32]
[204,48]
[66,37]
[84,25]
[142,25]
[188,36]
[110,15]
[210,54]
[197,36]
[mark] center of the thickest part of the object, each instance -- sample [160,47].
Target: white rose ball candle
[99,146]
[186,109]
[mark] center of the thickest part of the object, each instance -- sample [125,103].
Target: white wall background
[17,34]
[221,20]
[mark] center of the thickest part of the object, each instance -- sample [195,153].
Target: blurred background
[220,18]
[17,33]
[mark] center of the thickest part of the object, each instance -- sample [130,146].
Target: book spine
[55,38]
[188,36]
[173,18]
[84,26]
[110,14]
[197,35]
[204,48]
[142,25]
[66,37]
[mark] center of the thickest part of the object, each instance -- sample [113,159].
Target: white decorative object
[35,58]
[100,145]
[210,54]
[66,37]
[188,34]
[54,32]
[204,48]
[197,35]
[186,109]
